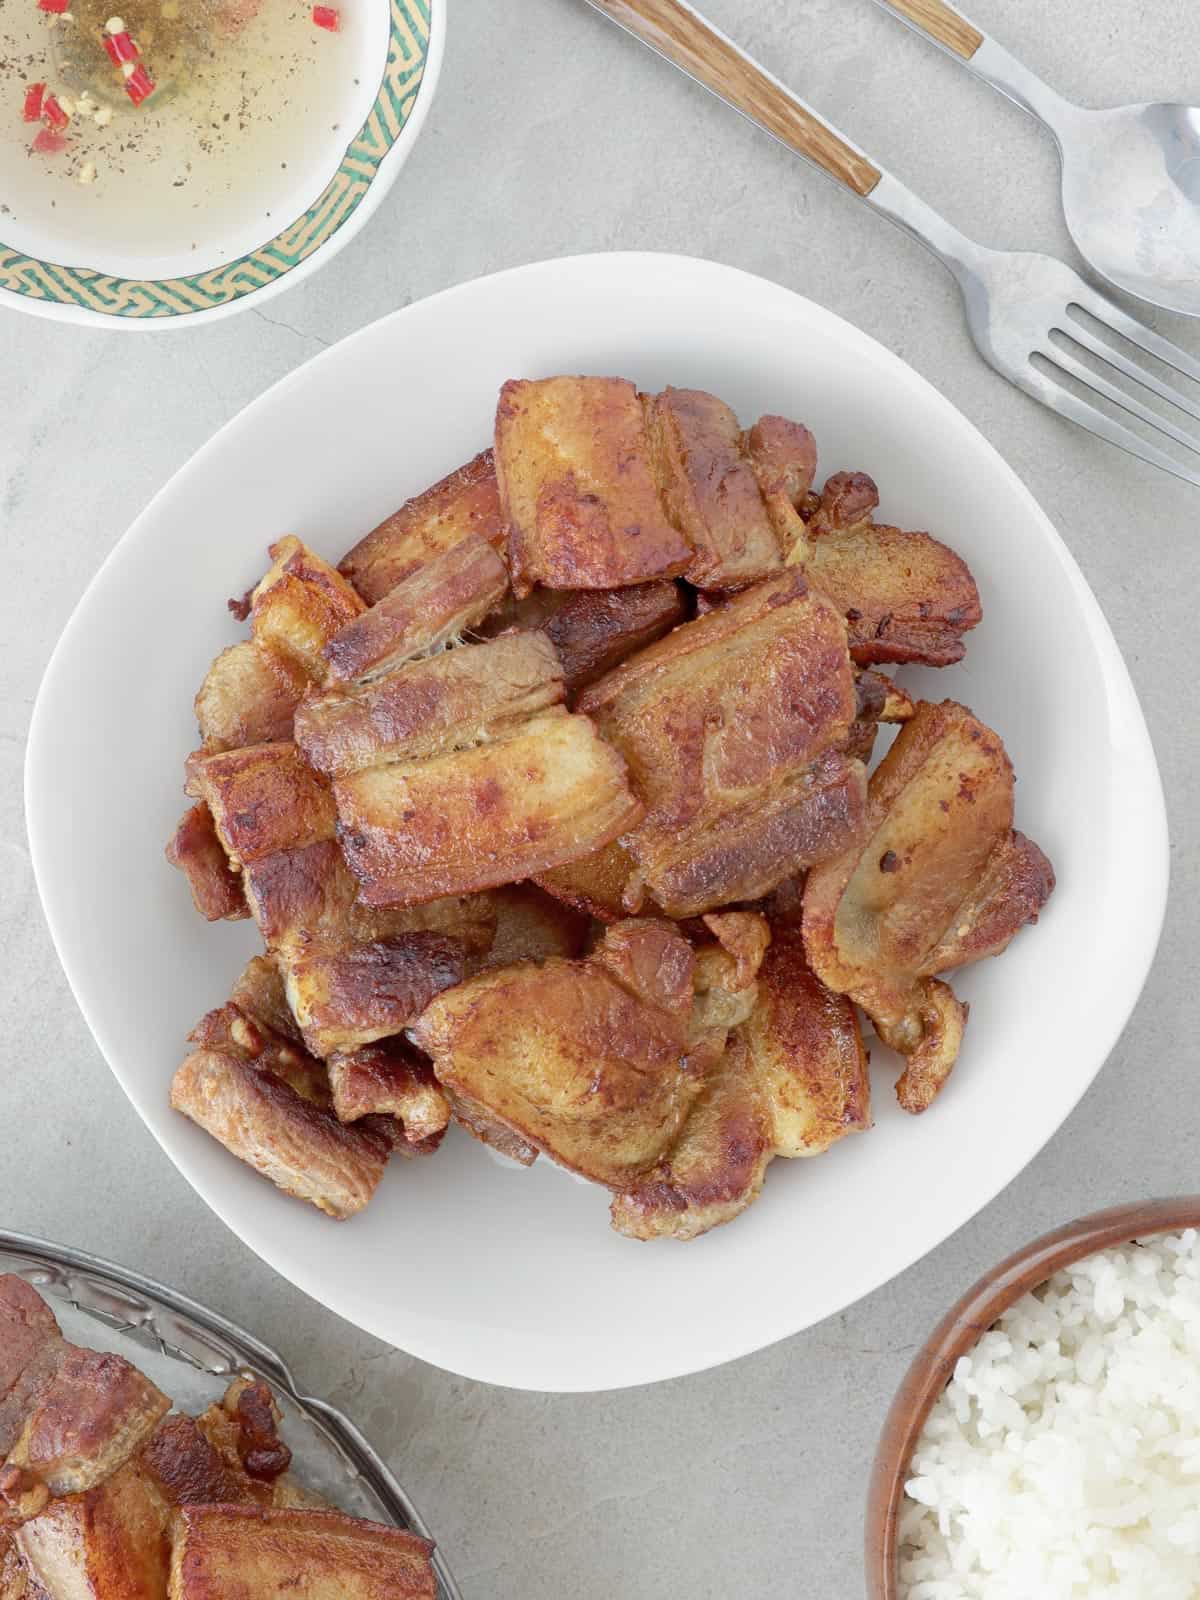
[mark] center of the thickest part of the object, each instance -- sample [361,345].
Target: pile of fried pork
[551,805]
[107,1494]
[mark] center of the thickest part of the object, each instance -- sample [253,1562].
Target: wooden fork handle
[676,31]
[942,23]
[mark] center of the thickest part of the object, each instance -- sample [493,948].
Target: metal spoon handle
[990,61]
[674,30]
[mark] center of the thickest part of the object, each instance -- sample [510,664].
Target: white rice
[1063,1459]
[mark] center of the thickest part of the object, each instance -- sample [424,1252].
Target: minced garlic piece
[115,25]
[87,172]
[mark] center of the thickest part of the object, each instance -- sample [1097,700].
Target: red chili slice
[33,102]
[138,85]
[49,143]
[327,17]
[53,114]
[120,47]
[57,6]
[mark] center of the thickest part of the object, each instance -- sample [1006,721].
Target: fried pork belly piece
[195,849]
[784,457]
[111,1542]
[252,689]
[879,700]
[595,885]
[441,600]
[303,1150]
[578,489]
[219,1552]
[305,897]
[938,879]
[248,696]
[300,605]
[905,596]
[594,630]
[531,925]
[790,1080]
[587,1060]
[489,1130]
[465,502]
[68,1416]
[428,707]
[716,1166]
[731,727]
[350,997]
[17,1582]
[391,1079]
[710,490]
[806,1053]
[107,1543]
[263,798]
[539,793]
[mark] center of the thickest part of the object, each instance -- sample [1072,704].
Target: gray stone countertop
[551,134]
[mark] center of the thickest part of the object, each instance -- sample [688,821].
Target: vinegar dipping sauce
[252,111]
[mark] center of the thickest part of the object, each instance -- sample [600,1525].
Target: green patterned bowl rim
[81,294]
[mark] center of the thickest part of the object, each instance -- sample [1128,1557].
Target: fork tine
[1051,394]
[1119,397]
[1131,369]
[1107,311]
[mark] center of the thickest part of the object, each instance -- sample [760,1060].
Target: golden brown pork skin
[586,1060]
[937,879]
[464,502]
[731,727]
[578,488]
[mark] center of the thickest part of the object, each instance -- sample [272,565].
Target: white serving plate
[514,1277]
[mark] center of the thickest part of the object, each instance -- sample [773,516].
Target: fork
[1027,313]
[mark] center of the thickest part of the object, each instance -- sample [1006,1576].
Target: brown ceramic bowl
[958,1330]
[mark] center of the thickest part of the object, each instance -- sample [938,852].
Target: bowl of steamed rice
[1045,1442]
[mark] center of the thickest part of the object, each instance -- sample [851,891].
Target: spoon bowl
[1131,198]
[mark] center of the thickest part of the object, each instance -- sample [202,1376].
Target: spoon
[1130,175]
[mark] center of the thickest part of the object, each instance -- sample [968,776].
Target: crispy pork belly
[531,925]
[302,1149]
[710,490]
[427,707]
[390,1079]
[540,793]
[715,1168]
[905,596]
[805,1052]
[594,630]
[345,998]
[308,896]
[252,689]
[222,1552]
[465,502]
[263,798]
[577,486]
[106,1543]
[195,849]
[595,885]
[248,696]
[300,605]
[68,1416]
[587,1060]
[437,603]
[240,1434]
[731,727]
[489,1130]
[784,458]
[938,878]
[879,700]
[17,1581]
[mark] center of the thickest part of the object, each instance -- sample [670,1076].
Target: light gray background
[553,133]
